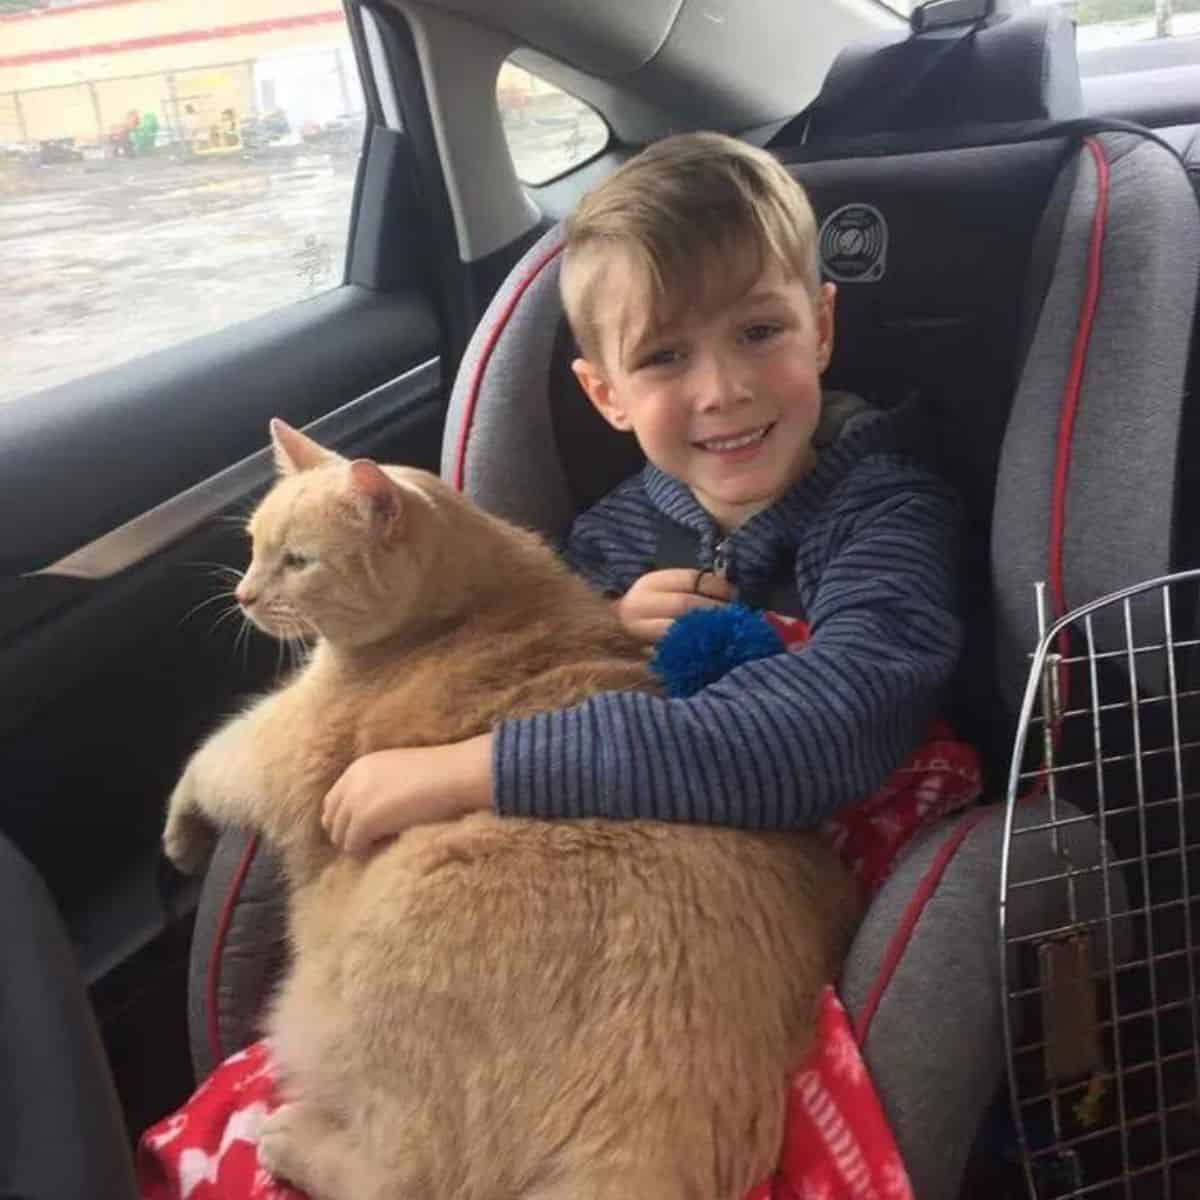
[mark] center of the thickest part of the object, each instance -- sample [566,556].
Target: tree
[1162,18]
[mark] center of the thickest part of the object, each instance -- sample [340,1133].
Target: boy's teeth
[734,443]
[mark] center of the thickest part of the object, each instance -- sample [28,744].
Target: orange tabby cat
[495,1009]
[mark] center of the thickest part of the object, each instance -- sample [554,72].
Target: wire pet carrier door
[1100,1019]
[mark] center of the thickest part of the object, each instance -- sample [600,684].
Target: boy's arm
[784,741]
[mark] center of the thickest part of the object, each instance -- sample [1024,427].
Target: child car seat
[1038,295]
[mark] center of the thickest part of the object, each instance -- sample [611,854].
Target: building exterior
[192,71]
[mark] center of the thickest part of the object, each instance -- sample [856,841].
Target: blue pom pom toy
[706,643]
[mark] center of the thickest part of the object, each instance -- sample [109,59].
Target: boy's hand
[649,607]
[382,794]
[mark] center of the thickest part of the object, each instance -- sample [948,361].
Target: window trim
[153,531]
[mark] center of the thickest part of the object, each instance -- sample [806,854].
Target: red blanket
[836,1144]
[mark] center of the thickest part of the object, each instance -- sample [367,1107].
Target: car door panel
[123,494]
[114,686]
[89,456]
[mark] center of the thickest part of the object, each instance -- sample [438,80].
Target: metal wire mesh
[1101,995]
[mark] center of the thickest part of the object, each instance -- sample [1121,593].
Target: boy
[691,283]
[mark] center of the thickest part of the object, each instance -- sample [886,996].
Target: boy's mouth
[737,441]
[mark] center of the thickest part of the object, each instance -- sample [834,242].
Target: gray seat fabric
[62,1136]
[500,428]
[952,314]
[1014,67]
[1130,253]
[933,1044]
[242,916]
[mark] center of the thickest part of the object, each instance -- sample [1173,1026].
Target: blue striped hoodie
[782,742]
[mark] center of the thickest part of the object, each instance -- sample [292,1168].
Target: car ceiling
[728,64]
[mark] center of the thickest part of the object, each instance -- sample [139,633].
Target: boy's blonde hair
[698,217]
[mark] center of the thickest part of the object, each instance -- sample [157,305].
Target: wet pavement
[103,261]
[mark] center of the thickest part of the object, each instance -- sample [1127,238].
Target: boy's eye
[294,561]
[760,331]
[665,357]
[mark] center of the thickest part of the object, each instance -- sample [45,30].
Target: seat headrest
[1016,67]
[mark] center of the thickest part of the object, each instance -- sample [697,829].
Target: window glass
[548,131]
[1111,22]
[167,168]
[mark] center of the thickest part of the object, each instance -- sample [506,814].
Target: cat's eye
[294,561]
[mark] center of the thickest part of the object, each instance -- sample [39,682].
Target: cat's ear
[376,497]
[294,451]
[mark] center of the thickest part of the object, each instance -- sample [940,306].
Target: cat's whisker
[226,573]
[243,639]
[191,612]
[239,629]
[232,611]
[220,571]
[216,567]
[289,645]
[289,623]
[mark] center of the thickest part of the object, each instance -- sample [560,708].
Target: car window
[548,131]
[167,168]
[1111,22]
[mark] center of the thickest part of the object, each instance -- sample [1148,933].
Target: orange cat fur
[495,1009]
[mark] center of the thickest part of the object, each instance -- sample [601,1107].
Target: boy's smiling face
[725,396]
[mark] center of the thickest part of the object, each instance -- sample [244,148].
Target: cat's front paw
[281,1143]
[188,839]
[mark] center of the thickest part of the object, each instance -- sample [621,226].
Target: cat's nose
[244,596]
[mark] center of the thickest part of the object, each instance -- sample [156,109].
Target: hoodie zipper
[720,558]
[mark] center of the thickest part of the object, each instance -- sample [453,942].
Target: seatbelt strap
[893,99]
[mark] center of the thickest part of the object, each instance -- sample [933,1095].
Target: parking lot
[106,259]
[101,261]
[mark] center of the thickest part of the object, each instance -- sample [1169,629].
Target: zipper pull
[720,559]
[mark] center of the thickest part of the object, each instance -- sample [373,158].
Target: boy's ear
[294,451]
[599,391]
[825,306]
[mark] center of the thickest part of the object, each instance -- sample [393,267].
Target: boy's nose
[719,385]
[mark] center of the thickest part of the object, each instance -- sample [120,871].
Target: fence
[204,106]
